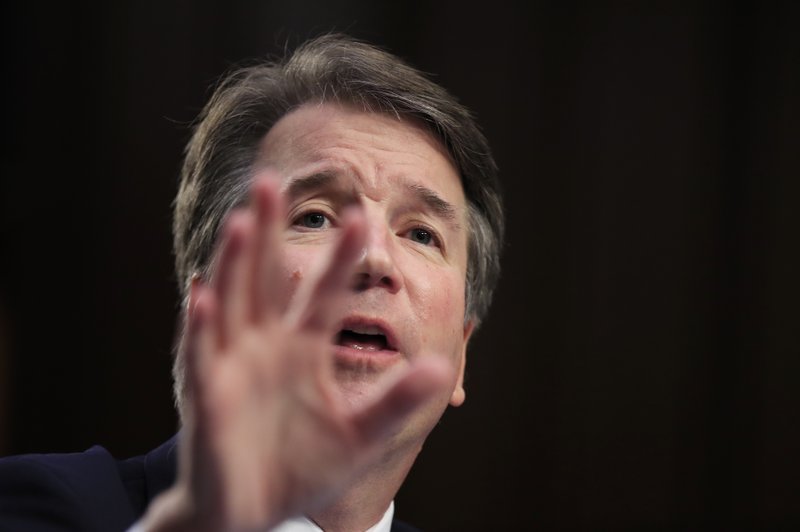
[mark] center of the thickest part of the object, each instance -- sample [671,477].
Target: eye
[421,236]
[312,220]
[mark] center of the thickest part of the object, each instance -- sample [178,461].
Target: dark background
[639,370]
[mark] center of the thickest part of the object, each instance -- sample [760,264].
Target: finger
[413,389]
[199,427]
[317,302]
[268,290]
[196,351]
[229,282]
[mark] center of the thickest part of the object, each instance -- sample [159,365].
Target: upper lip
[365,325]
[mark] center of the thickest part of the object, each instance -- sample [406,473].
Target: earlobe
[459,394]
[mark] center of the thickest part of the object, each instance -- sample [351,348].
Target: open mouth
[364,338]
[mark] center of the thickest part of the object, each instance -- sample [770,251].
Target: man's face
[407,301]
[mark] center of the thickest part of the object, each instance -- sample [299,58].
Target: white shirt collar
[303,524]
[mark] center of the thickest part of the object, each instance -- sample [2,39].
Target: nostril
[364,281]
[361,281]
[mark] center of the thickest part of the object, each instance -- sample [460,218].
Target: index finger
[268,291]
[317,302]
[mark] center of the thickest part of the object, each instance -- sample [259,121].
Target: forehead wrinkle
[332,179]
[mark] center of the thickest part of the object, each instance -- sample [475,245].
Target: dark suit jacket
[89,491]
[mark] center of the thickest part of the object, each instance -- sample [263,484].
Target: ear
[459,395]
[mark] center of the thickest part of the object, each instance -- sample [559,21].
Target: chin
[360,384]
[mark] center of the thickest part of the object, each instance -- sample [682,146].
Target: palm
[267,434]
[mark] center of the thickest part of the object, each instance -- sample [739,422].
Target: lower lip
[351,357]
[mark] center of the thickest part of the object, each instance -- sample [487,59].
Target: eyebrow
[299,186]
[440,207]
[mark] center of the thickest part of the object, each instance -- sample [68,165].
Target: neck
[366,501]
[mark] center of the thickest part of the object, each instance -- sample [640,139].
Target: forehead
[376,149]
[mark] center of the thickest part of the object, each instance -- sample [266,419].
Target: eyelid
[310,207]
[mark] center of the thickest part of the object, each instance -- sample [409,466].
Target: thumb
[410,390]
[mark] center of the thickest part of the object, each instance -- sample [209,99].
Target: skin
[357,220]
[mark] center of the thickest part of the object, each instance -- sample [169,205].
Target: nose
[377,267]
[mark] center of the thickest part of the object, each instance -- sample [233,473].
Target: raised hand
[267,434]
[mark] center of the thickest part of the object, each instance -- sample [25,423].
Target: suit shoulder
[75,491]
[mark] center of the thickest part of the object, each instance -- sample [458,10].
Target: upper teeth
[366,329]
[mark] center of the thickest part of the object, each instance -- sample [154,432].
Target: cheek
[295,267]
[440,307]
[443,294]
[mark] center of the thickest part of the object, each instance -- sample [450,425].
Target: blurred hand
[267,435]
